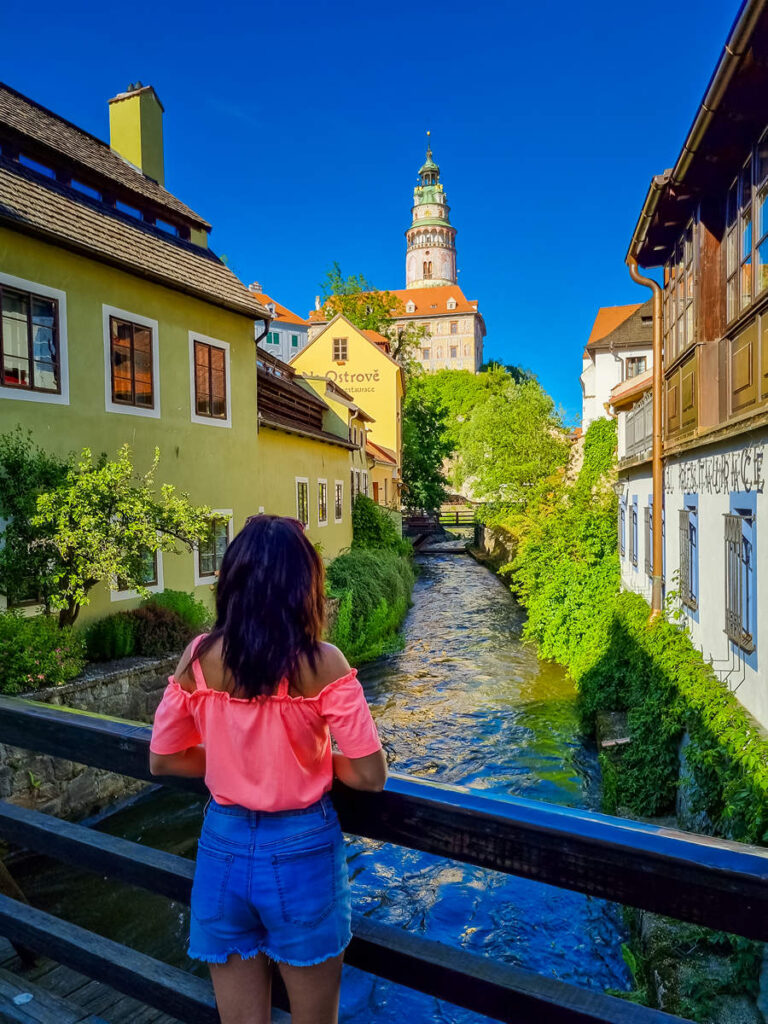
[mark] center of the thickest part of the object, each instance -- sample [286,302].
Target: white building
[288,332]
[619,348]
[705,222]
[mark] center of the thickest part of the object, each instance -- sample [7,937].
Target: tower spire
[431,254]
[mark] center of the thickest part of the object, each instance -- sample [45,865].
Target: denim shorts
[270,882]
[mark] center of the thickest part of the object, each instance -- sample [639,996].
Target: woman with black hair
[251,708]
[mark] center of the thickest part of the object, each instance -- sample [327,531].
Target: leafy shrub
[111,637]
[159,630]
[566,573]
[192,613]
[35,652]
[374,589]
[372,527]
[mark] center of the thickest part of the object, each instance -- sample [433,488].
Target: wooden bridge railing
[706,881]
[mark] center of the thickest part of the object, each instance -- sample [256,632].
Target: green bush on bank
[372,583]
[35,653]
[163,624]
[566,573]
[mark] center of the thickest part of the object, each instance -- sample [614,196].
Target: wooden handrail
[707,881]
[500,991]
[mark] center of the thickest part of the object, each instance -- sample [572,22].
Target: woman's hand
[187,763]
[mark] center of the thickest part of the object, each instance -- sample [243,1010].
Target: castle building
[453,327]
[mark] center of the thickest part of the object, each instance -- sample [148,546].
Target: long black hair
[270,604]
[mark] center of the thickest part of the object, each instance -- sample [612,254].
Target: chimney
[255,287]
[136,129]
[317,302]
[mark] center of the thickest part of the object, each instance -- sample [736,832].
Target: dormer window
[410,307]
[451,304]
[271,308]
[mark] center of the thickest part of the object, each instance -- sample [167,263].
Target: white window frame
[216,513]
[19,394]
[131,595]
[302,480]
[209,421]
[338,483]
[322,480]
[143,321]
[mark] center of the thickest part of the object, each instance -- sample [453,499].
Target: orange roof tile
[608,319]
[377,339]
[376,451]
[426,301]
[282,313]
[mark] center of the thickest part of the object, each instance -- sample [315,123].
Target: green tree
[426,444]
[101,523]
[26,470]
[513,442]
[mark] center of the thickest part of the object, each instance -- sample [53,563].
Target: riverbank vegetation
[372,583]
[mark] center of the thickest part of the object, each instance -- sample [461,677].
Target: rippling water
[465,703]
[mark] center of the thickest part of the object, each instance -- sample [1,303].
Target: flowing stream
[465,702]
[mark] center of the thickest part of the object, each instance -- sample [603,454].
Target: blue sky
[297,130]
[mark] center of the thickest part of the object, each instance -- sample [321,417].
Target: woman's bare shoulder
[211,664]
[330,665]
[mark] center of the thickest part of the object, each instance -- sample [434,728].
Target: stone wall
[494,546]
[127,689]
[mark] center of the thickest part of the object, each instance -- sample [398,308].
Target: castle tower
[431,254]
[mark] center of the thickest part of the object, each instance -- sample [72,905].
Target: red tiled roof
[380,454]
[377,339]
[282,313]
[608,319]
[426,301]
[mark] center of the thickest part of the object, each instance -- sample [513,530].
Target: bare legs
[244,989]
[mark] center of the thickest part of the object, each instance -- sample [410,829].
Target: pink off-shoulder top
[270,753]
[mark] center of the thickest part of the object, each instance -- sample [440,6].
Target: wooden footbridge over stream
[706,881]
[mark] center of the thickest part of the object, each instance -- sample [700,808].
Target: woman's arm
[187,763]
[368,772]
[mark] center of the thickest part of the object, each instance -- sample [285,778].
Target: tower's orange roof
[426,301]
[608,319]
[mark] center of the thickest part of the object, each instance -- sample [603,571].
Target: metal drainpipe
[658,469]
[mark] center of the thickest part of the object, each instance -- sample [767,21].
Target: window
[633,532]
[210,380]
[425,353]
[130,353]
[454,327]
[302,500]
[29,342]
[649,539]
[365,484]
[427,269]
[740,580]
[678,295]
[322,502]
[635,366]
[338,504]
[210,550]
[622,526]
[35,165]
[351,489]
[746,232]
[294,341]
[273,337]
[86,190]
[410,307]
[451,303]
[340,350]
[151,577]
[689,552]
[126,208]
[454,351]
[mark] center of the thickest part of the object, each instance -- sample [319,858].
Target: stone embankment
[130,689]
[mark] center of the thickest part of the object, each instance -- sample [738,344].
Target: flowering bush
[35,652]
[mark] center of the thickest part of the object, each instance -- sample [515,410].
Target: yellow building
[359,362]
[119,325]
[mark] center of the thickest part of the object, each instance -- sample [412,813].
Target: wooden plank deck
[63,996]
